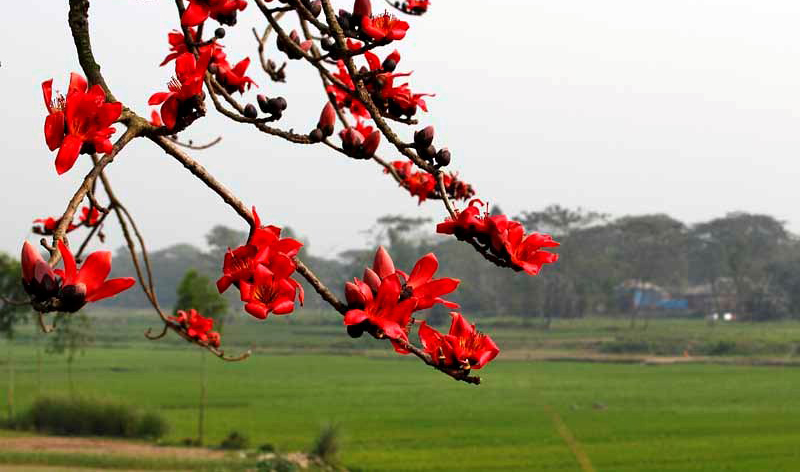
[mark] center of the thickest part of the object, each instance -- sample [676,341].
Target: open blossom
[177,44]
[233,78]
[423,185]
[505,238]
[197,326]
[385,314]
[384,27]
[262,270]
[416,6]
[463,347]
[89,217]
[187,85]
[224,11]
[48,226]
[87,284]
[79,122]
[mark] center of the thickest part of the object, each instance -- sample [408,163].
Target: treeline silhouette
[636,266]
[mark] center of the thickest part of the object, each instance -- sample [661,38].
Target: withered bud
[250,111]
[423,138]
[443,157]
[327,119]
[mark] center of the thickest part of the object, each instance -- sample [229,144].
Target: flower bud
[276,105]
[389,65]
[72,297]
[219,33]
[315,8]
[423,138]
[316,135]
[327,119]
[427,153]
[443,157]
[263,103]
[250,111]
[351,141]
[371,144]
[362,8]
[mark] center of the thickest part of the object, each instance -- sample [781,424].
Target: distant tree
[198,292]
[73,336]
[561,221]
[220,238]
[13,311]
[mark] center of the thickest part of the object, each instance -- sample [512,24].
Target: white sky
[689,107]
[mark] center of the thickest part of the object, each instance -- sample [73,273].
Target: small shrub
[266,448]
[277,464]
[90,417]
[235,440]
[326,446]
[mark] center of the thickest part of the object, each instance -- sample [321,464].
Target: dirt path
[102,446]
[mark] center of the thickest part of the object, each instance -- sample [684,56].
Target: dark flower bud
[327,119]
[327,43]
[423,138]
[443,157]
[371,144]
[427,153]
[362,8]
[250,111]
[213,68]
[276,105]
[315,8]
[262,103]
[316,135]
[219,33]
[389,65]
[344,19]
[352,140]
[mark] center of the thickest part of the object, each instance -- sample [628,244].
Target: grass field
[397,414]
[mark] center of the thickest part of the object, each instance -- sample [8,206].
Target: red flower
[89,218]
[232,78]
[177,43]
[38,279]
[223,11]
[525,250]
[416,6]
[270,290]
[213,339]
[467,222]
[198,326]
[79,122]
[425,288]
[155,119]
[463,347]
[49,226]
[384,26]
[88,284]
[385,312]
[187,85]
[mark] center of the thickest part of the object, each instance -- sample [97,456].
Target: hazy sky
[689,107]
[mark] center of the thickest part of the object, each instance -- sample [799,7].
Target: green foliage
[90,417]
[198,292]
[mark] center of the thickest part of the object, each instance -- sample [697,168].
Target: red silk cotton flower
[384,27]
[462,348]
[197,326]
[385,314]
[505,238]
[224,11]
[261,269]
[79,122]
[185,87]
[88,284]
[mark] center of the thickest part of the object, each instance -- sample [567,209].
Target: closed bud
[250,111]
[315,8]
[423,138]
[219,33]
[213,68]
[276,105]
[352,140]
[355,331]
[362,8]
[389,65]
[263,103]
[443,157]
[427,153]
[327,43]
[316,135]
[327,119]
[371,144]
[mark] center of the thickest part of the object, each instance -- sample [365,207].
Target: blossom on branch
[261,269]
[423,185]
[383,27]
[87,284]
[224,11]
[185,89]
[384,315]
[504,238]
[78,123]
[463,347]
[49,225]
[197,327]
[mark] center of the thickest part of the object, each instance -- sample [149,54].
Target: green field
[397,414]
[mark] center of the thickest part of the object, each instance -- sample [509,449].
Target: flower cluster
[506,239]
[68,290]
[224,11]
[361,23]
[423,185]
[89,218]
[78,123]
[380,81]
[382,303]
[462,348]
[197,327]
[261,270]
[182,103]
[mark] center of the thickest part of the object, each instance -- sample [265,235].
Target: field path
[103,446]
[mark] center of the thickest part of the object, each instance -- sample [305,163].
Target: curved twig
[196,147]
